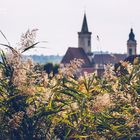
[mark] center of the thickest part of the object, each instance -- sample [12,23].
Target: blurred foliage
[34,106]
[51,68]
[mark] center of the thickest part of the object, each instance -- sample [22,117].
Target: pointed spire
[84,25]
[131,35]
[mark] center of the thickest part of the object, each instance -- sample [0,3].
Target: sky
[59,21]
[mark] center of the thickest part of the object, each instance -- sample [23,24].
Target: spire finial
[85,10]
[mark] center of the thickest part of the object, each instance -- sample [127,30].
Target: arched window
[130,51]
[89,42]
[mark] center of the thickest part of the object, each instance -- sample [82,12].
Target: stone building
[83,51]
[96,62]
[131,44]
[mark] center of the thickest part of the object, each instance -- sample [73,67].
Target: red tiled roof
[108,58]
[77,53]
[120,57]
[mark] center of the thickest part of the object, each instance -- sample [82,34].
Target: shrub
[66,106]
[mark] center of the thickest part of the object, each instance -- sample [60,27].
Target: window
[89,42]
[130,51]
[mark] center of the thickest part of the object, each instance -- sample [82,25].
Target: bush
[66,106]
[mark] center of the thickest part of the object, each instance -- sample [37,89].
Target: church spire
[84,38]
[84,28]
[131,35]
[131,44]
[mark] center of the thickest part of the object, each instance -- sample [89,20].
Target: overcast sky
[59,21]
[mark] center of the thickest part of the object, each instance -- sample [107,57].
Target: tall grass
[35,106]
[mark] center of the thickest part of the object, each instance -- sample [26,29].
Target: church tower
[84,38]
[131,44]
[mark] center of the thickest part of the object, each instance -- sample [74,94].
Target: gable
[77,53]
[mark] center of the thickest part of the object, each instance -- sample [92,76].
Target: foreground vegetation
[38,106]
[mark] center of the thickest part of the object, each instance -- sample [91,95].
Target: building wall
[84,41]
[131,48]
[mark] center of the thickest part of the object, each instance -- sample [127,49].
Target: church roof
[77,53]
[132,58]
[119,57]
[84,28]
[108,58]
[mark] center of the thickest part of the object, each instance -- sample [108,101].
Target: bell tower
[84,38]
[131,44]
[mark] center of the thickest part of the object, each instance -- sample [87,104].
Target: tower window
[89,43]
[130,51]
